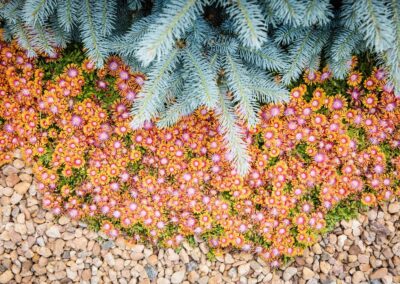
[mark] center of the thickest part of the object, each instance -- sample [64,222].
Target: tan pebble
[137,256]
[358,277]
[18,164]
[63,220]
[6,277]
[86,275]
[58,247]
[308,273]
[363,258]
[379,274]
[325,267]
[12,180]
[25,177]
[96,249]
[152,259]
[22,187]
[9,169]
[394,208]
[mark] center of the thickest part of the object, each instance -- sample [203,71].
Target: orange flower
[368,199]
[354,78]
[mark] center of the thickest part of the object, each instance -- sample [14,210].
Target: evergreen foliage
[191,49]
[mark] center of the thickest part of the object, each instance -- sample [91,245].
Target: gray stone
[192,265]
[107,245]
[151,271]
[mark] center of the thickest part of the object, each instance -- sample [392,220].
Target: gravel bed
[36,247]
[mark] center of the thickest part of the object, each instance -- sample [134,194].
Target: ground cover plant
[333,146]
[190,50]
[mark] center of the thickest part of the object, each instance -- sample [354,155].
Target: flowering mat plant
[316,159]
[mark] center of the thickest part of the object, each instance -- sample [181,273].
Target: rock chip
[341,240]
[191,265]
[86,275]
[58,247]
[355,250]
[193,276]
[109,258]
[80,243]
[12,180]
[394,208]
[45,251]
[6,277]
[26,177]
[178,277]
[325,267]
[18,164]
[151,271]
[16,198]
[363,258]
[22,187]
[53,232]
[9,170]
[232,273]
[289,273]
[244,269]
[308,273]
[379,274]
[358,277]
[107,245]
[229,259]
[63,220]
[163,281]
[152,259]
[317,248]
[396,249]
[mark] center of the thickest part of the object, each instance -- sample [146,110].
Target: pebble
[229,259]
[317,249]
[163,281]
[151,271]
[191,265]
[63,220]
[22,187]
[16,198]
[152,259]
[394,208]
[53,232]
[12,180]
[18,164]
[307,273]
[107,245]
[109,258]
[289,273]
[341,240]
[244,269]
[233,272]
[379,274]
[358,277]
[325,267]
[6,277]
[178,277]
[193,276]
